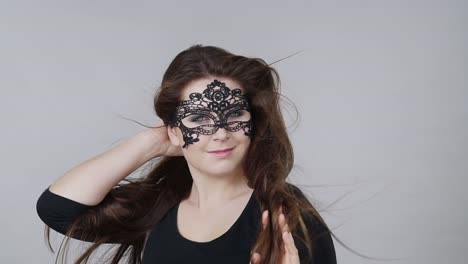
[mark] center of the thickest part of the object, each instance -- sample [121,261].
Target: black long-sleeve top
[166,245]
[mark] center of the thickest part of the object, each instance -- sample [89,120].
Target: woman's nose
[221,134]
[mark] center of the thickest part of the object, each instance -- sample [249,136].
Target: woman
[218,192]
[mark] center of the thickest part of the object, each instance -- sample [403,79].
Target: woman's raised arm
[89,182]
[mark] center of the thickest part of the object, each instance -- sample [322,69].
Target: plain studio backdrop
[381,87]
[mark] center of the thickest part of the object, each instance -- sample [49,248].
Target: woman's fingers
[265,219]
[283,225]
[291,250]
[255,258]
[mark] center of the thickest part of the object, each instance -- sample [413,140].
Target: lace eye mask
[216,107]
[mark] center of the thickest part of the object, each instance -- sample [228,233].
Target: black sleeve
[59,212]
[323,249]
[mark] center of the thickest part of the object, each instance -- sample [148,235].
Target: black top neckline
[217,239]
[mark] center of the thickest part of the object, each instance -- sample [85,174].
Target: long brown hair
[130,210]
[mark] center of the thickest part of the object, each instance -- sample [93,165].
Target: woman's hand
[290,252]
[158,142]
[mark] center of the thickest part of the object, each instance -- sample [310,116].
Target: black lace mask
[217,107]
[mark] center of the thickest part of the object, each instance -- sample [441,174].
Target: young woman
[218,192]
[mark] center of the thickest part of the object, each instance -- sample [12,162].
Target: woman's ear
[172,133]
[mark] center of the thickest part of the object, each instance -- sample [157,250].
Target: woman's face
[217,117]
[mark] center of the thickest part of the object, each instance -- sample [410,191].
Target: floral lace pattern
[217,98]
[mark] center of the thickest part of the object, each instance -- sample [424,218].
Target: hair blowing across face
[130,210]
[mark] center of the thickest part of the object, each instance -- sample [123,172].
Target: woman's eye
[235,113]
[198,119]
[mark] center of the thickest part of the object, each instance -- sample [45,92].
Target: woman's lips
[223,153]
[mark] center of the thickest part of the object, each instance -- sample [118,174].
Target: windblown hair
[130,210]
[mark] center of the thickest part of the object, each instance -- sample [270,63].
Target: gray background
[381,87]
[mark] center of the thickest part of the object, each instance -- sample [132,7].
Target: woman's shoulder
[298,193]
[296,190]
[314,220]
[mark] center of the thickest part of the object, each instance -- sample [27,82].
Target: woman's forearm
[89,182]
